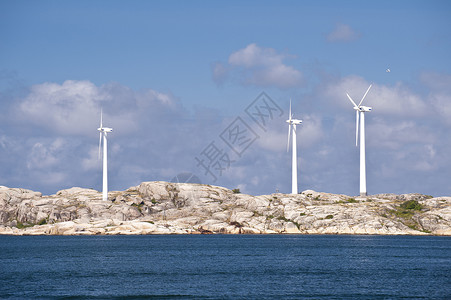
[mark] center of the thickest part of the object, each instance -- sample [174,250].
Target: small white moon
[388,70]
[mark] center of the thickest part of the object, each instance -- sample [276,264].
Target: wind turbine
[361,110]
[103,133]
[294,165]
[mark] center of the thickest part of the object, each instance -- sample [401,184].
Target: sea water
[225,267]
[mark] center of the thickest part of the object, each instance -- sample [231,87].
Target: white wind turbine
[103,133]
[294,165]
[361,110]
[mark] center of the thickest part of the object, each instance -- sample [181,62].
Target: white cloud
[253,56]
[8,144]
[55,178]
[419,159]
[219,72]
[427,161]
[383,133]
[74,107]
[440,94]
[260,67]
[93,160]
[273,140]
[342,33]
[398,100]
[310,132]
[47,160]
[70,108]
[45,156]
[442,105]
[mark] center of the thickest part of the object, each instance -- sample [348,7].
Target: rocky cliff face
[165,208]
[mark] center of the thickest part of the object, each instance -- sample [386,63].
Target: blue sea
[225,267]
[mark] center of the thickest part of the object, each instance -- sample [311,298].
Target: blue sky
[171,76]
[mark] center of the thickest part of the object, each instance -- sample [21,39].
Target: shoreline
[138,228]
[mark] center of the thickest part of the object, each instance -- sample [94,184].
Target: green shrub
[411,204]
[288,220]
[21,225]
[257,214]
[236,191]
[329,217]
[138,206]
[406,212]
[283,219]
[403,213]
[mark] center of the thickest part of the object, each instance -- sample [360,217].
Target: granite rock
[181,208]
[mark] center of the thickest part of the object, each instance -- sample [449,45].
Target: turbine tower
[360,111]
[103,133]
[294,165]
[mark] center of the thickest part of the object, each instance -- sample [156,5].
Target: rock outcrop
[182,208]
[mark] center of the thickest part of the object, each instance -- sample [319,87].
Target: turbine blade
[289,114]
[356,127]
[101,118]
[100,142]
[289,133]
[350,99]
[189,178]
[365,94]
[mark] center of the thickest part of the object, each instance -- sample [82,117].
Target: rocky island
[185,208]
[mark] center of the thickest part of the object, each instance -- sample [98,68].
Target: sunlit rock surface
[183,208]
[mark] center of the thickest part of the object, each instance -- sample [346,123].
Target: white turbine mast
[294,165]
[360,120]
[103,137]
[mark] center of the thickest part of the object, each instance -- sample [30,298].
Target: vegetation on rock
[411,204]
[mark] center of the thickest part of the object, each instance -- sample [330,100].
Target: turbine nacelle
[294,121]
[363,108]
[105,129]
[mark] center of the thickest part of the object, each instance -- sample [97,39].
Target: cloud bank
[53,144]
